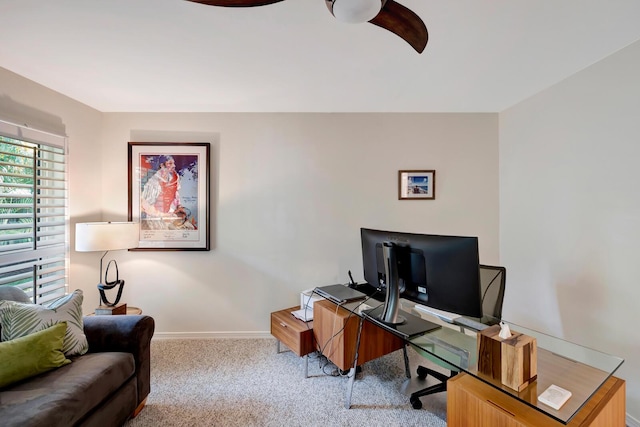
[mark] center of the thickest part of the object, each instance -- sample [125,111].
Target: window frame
[39,261]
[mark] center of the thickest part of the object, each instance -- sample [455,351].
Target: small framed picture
[417,185]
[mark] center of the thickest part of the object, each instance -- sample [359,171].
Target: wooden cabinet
[472,403]
[294,333]
[336,332]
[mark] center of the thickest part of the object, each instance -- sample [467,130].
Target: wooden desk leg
[353,370]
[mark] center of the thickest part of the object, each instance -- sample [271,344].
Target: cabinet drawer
[294,333]
[472,403]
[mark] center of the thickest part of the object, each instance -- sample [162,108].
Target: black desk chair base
[422,372]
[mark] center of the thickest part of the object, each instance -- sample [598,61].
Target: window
[33,212]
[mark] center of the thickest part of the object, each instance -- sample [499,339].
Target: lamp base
[107,310]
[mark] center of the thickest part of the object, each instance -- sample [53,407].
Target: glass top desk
[578,369]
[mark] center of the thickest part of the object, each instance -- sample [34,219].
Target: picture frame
[169,195]
[416,184]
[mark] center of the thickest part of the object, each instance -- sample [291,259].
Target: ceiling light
[355,11]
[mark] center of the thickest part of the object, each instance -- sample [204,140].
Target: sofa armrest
[128,333]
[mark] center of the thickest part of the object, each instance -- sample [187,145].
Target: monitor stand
[390,313]
[413,326]
[391,316]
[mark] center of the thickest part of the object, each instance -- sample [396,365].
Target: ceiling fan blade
[404,23]
[236,3]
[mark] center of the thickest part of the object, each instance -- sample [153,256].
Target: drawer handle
[284,325]
[501,408]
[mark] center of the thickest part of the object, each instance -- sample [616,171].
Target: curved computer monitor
[442,272]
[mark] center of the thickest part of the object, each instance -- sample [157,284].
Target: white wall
[570,211]
[289,195]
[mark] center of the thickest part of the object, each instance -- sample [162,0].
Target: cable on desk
[355,353]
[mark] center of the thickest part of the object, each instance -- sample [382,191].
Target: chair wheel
[415,403]
[422,372]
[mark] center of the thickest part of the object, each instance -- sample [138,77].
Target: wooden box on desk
[512,361]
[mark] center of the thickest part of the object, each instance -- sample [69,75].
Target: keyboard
[470,323]
[441,314]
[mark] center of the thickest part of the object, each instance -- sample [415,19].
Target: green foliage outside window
[16,190]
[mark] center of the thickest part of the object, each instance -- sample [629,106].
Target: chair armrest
[125,333]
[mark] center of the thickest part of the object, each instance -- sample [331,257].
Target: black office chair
[492,286]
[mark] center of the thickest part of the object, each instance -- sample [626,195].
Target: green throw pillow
[32,355]
[20,319]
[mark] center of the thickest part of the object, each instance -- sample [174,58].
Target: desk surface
[573,367]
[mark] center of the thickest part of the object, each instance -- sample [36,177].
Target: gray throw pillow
[21,319]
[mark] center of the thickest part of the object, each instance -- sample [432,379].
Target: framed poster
[416,185]
[169,195]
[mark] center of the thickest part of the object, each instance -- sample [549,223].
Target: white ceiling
[174,55]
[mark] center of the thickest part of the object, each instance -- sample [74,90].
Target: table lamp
[108,236]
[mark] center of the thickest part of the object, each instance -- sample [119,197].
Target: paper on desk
[554,396]
[304,314]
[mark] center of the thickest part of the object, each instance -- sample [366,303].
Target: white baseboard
[210,335]
[632,422]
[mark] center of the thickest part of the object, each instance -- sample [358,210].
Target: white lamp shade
[356,11]
[106,236]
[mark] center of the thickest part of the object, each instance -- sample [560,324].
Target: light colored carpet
[244,382]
